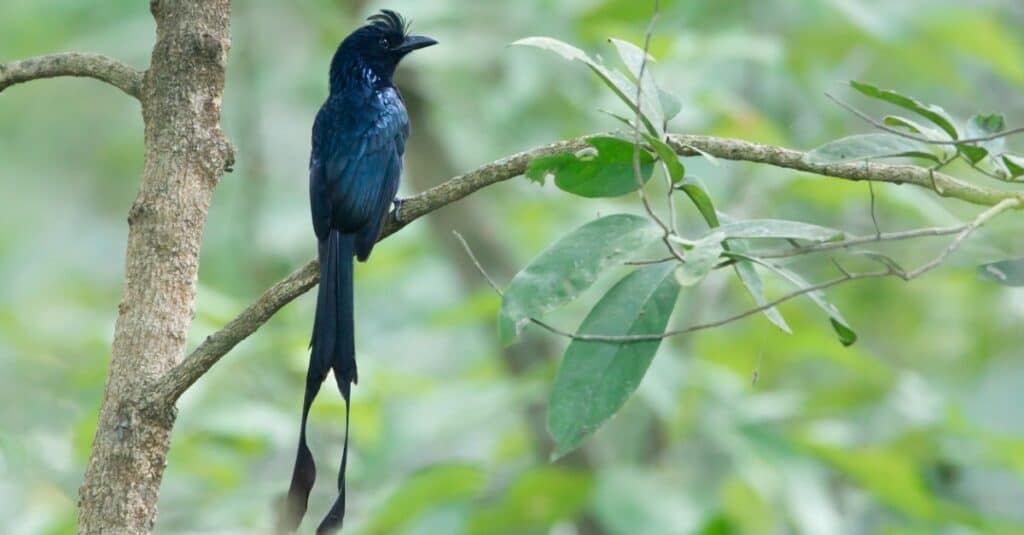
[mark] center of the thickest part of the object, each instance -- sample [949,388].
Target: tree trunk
[186,153]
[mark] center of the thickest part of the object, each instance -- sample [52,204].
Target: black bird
[358,140]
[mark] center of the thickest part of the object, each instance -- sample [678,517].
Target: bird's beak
[414,42]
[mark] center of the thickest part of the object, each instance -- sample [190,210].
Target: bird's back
[358,141]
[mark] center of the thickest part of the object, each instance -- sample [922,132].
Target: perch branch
[175,382]
[102,68]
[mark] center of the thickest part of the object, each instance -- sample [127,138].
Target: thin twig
[667,231]
[874,217]
[828,246]
[891,270]
[982,218]
[476,263]
[901,133]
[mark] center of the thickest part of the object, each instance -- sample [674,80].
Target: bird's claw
[397,210]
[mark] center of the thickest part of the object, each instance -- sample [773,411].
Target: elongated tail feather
[332,346]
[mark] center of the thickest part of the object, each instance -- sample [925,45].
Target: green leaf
[755,287]
[842,328]
[606,171]
[596,378]
[972,153]
[700,260]
[675,168]
[983,126]
[670,104]
[423,491]
[1005,272]
[632,57]
[1014,164]
[933,113]
[619,84]
[868,146]
[569,266]
[698,194]
[916,127]
[650,100]
[778,228]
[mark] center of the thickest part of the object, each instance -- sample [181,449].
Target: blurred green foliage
[917,428]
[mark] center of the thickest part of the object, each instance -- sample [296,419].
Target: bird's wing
[355,167]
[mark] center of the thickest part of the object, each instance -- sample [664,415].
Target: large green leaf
[606,171]
[570,266]
[596,378]
[842,328]
[619,84]
[778,228]
[869,146]
[933,113]
[1005,272]
[425,490]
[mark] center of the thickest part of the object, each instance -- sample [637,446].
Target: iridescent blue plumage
[358,140]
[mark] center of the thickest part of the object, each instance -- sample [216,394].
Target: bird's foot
[397,210]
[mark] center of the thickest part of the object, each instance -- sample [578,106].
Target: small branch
[174,384]
[891,270]
[479,266]
[102,68]
[860,240]
[667,229]
[207,354]
[982,218]
[943,184]
[895,131]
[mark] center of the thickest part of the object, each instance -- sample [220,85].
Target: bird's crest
[390,21]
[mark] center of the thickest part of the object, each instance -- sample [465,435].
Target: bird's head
[382,43]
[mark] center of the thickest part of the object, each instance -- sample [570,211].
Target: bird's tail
[333,347]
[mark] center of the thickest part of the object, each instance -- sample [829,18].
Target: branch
[890,270]
[827,246]
[96,66]
[175,382]
[215,346]
[886,128]
[169,388]
[941,183]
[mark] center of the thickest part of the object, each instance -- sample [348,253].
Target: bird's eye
[385,42]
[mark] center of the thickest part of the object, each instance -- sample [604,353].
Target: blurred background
[918,428]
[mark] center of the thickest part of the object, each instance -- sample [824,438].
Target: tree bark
[185,155]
